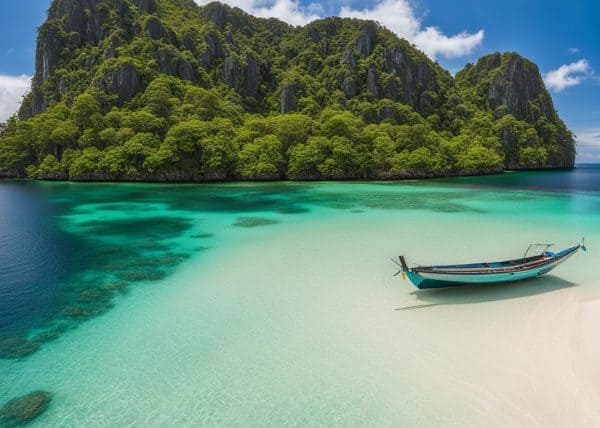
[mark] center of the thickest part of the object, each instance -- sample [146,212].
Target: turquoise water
[263,304]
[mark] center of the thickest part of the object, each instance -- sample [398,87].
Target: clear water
[265,304]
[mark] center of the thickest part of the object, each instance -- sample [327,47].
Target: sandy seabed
[302,324]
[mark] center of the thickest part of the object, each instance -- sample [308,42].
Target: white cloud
[574,50]
[397,15]
[588,137]
[433,42]
[290,11]
[12,89]
[568,75]
[588,145]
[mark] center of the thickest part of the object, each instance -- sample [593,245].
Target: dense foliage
[168,90]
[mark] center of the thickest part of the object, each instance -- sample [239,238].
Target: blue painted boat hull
[478,273]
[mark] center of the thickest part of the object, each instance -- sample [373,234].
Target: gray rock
[313,34]
[518,83]
[349,60]
[288,98]
[324,47]
[48,52]
[146,6]
[250,76]
[231,73]
[83,22]
[367,40]
[216,13]
[391,89]
[63,87]
[155,29]
[221,15]
[205,59]
[32,105]
[214,49]
[413,77]
[189,42]
[229,38]
[186,71]
[350,86]
[372,85]
[169,62]
[124,81]
[110,51]
[84,18]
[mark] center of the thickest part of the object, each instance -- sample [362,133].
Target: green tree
[304,159]
[261,159]
[84,107]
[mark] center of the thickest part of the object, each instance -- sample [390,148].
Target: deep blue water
[35,257]
[583,178]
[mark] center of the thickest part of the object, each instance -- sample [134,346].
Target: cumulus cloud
[588,145]
[12,89]
[397,15]
[434,43]
[290,11]
[588,137]
[568,75]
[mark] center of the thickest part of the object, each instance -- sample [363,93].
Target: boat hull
[426,279]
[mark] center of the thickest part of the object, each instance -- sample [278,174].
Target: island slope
[167,90]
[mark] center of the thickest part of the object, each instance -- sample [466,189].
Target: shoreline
[177,179]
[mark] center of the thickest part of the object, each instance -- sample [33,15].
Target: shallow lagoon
[271,304]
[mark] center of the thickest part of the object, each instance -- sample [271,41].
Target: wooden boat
[529,266]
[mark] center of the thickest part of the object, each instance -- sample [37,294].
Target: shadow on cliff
[469,294]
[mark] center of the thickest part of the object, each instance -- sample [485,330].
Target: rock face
[511,84]
[70,23]
[146,6]
[232,73]
[123,81]
[214,49]
[243,77]
[372,85]
[84,18]
[169,62]
[288,99]
[221,15]
[513,81]
[251,76]
[156,29]
[350,86]
[367,40]
[48,52]
[518,82]
[414,77]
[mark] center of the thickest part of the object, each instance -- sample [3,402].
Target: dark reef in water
[254,222]
[22,410]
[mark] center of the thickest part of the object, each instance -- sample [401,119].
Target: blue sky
[552,33]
